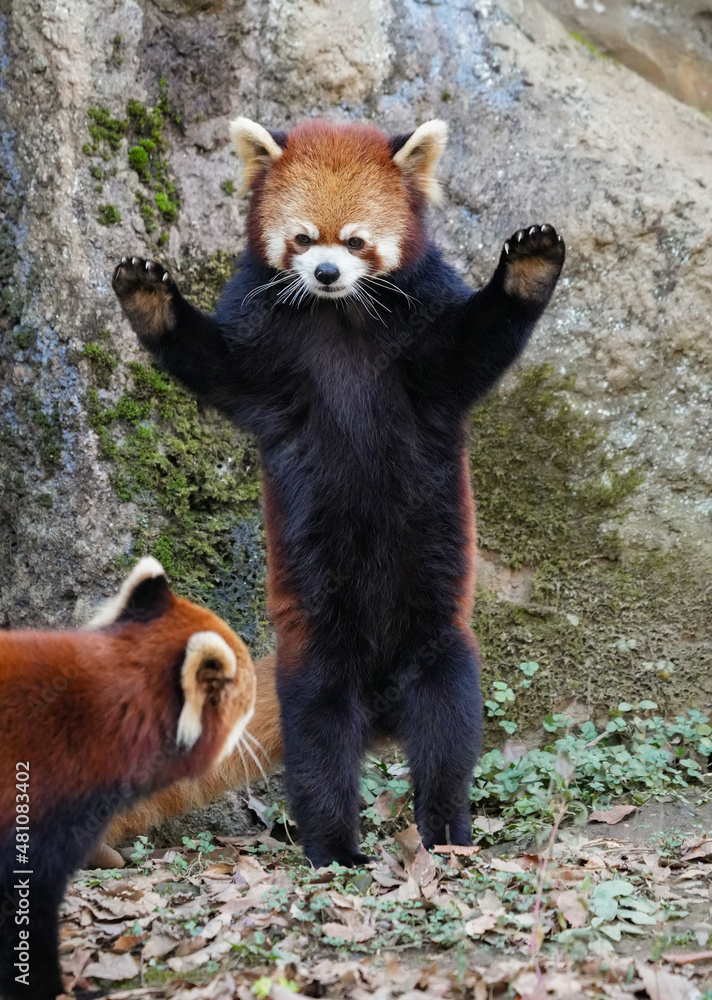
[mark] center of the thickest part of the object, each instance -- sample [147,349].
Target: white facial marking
[275,245]
[276,242]
[306,227]
[355,229]
[389,251]
[351,268]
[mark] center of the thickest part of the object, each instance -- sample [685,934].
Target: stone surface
[669,42]
[542,129]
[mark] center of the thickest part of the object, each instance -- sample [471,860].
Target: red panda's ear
[418,156]
[257,148]
[144,595]
[209,665]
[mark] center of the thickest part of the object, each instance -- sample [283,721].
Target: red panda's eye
[355,243]
[303,239]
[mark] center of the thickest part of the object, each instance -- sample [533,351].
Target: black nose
[327,274]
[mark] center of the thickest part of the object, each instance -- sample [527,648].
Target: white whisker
[257,743]
[359,295]
[385,283]
[285,292]
[256,759]
[244,766]
[373,298]
[277,280]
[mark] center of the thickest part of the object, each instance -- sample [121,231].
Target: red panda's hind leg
[324,733]
[441,724]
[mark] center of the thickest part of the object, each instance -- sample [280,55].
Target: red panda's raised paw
[146,291]
[531,262]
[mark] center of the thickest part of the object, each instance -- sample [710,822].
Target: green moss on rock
[106,133]
[599,624]
[144,127]
[103,362]
[203,278]
[109,215]
[197,488]
[138,161]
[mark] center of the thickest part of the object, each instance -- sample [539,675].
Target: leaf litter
[584,917]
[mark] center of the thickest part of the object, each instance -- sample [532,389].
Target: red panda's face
[209,661]
[334,206]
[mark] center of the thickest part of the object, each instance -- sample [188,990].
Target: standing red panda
[156,690]
[354,353]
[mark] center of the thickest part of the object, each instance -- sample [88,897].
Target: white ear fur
[203,647]
[419,156]
[145,569]
[255,146]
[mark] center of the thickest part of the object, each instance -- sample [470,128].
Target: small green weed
[636,755]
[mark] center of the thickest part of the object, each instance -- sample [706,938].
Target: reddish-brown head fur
[158,690]
[338,195]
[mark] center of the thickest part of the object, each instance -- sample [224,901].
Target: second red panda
[156,690]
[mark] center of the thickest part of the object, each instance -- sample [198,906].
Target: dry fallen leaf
[663,985]
[158,945]
[221,988]
[489,902]
[114,967]
[612,816]
[506,865]
[387,805]
[487,922]
[409,841]
[570,905]
[356,932]
[488,825]
[188,963]
[422,869]
[701,849]
[127,942]
[465,852]
[251,870]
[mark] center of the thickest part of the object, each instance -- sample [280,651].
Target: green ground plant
[634,756]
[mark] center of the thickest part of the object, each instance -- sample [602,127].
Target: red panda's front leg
[497,321]
[184,341]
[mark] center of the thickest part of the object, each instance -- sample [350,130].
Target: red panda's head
[205,660]
[337,204]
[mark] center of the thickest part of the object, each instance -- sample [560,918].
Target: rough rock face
[669,43]
[592,477]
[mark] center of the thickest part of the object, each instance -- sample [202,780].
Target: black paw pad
[148,296]
[532,260]
[134,273]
